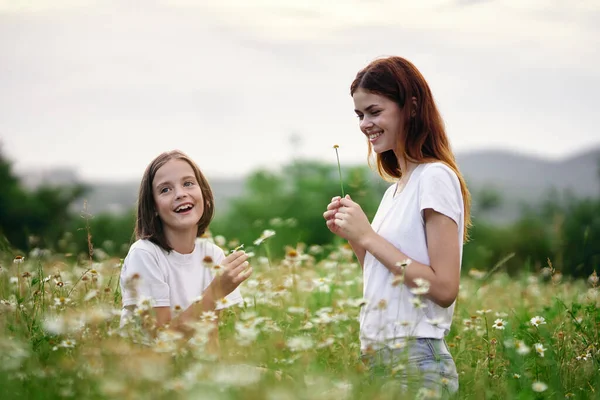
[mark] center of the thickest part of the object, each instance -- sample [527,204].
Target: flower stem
[339,169]
[268,254]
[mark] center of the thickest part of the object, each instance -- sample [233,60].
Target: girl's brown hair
[426,141]
[148,225]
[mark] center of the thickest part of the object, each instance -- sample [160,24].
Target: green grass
[296,338]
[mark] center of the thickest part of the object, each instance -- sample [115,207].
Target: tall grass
[296,337]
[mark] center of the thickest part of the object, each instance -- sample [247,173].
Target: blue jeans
[419,364]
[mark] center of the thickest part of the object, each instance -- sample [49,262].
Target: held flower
[267,233]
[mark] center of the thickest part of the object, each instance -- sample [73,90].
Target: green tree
[37,217]
[580,237]
[487,199]
[292,203]
[598,170]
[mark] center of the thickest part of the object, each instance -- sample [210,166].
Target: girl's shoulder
[144,245]
[206,247]
[143,255]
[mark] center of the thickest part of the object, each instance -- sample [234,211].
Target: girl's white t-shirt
[170,279]
[389,315]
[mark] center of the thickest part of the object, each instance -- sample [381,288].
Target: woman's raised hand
[346,219]
[329,215]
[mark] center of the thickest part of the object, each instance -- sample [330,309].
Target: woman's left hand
[352,221]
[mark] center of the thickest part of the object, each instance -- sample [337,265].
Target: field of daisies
[296,337]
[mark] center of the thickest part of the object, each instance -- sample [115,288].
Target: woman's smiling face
[381,119]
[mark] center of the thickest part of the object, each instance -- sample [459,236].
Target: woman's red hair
[426,141]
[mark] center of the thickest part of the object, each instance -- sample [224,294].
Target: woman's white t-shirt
[170,279]
[389,315]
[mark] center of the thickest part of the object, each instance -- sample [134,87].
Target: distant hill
[522,179]
[121,197]
[529,176]
[518,178]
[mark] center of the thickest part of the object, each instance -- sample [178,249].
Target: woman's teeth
[373,136]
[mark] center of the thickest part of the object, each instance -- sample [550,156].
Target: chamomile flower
[315,249]
[422,287]
[90,295]
[217,269]
[245,336]
[476,274]
[426,393]
[397,280]
[539,386]
[522,348]
[61,301]
[537,321]
[325,343]
[164,346]
[540,349]
[403,264]
[267,233]
[235,375]
[222,303]
[67,343]
[593,279]
[220,240]
[435,321]
[208,261]
[417,303]
[299,343]
[144,304]
[208,316]
[307,326]
[398,368]
[499,324]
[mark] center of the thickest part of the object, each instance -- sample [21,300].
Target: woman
[411,253]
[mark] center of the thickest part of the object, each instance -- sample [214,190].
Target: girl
[168,264]
[414,243]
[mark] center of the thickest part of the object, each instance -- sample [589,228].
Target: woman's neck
[182,242]
[406,167]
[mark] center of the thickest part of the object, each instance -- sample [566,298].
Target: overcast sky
[104,86]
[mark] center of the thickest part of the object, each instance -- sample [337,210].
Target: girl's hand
[329,215]
[233,274]
[351,222]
